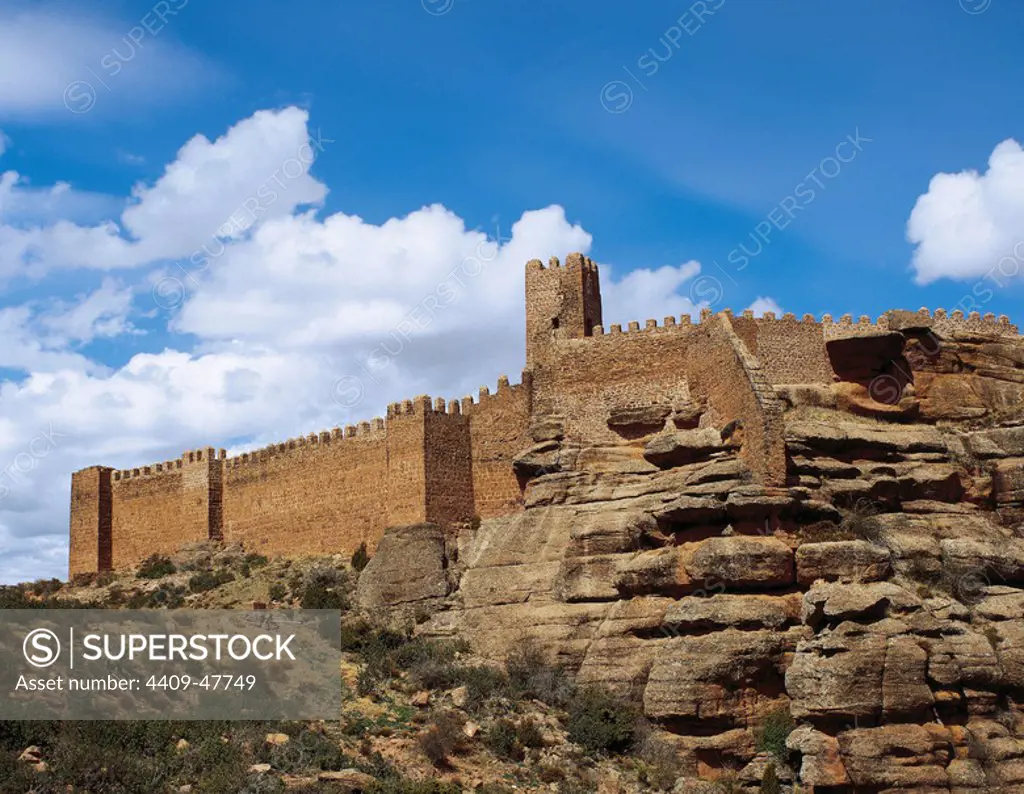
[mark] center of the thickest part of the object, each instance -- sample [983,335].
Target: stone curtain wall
[584,379]
[789,350]
[319,494]
[157,508]
[498,429]
[447,465]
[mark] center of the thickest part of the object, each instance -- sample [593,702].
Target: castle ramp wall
[729,377]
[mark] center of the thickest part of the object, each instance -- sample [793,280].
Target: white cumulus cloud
[265,324]
[969,223]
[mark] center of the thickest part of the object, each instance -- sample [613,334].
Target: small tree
[360,557]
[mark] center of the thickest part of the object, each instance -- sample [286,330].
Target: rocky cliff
[876,601]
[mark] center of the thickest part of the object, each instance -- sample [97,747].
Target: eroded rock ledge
[877,597]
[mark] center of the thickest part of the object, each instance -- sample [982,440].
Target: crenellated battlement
[573,261]
[447,460]
[338,435]
[188,458]
[955,321]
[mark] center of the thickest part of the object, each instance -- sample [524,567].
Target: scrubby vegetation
[156,566]
[420,715]
[771,736]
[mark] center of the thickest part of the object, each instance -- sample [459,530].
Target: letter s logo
[41,647]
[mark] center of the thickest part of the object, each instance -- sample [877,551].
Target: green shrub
[397,784]
[15,777]
[166,595]
[360,557]
[45,587]
[600,722]
[502,740]
[254,560]
[325,588]
[277,592]
[771,736]
[529,733]
[482,683]
[531,676]
[156,566]
[209,580]
[660,765]
[442,738]
[15,598]
[115,596]
[770,781]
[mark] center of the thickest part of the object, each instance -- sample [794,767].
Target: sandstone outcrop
[876,598]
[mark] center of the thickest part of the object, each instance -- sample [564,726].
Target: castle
[448,462]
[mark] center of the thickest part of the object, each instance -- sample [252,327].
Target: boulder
[547,427]
[897,756]
[905,690]
[543,458]
[609,533]
[587,578]
[409,565]
[682,446]
[1008,481]
[693,614]
[1002,442]
[862,356]
[715,677]
[820,764]
[845,436]
[882,398]
[838,676]
[693,510]
[843,560]
[638,419]
[742,561]
[686,416]
[834,603]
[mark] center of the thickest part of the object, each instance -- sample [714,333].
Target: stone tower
[562,302]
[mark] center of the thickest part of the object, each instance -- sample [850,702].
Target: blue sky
[658,137]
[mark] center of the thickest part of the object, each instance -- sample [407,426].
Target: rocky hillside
[419,716]
[863,626]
